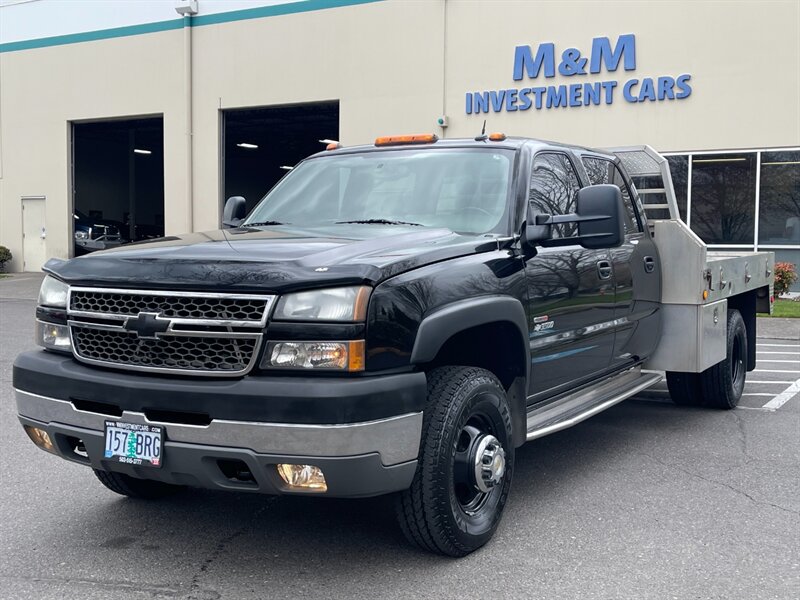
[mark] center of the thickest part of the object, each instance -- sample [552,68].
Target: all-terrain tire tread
[416,510]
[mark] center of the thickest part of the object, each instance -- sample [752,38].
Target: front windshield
[465,190]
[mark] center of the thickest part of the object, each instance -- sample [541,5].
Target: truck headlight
[53,336]
[334,304]
[338,356]
[53,293]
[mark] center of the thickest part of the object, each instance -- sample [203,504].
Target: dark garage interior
[118,178]
[259,141]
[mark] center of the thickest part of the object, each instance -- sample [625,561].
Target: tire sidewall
[736,329]
[487,398]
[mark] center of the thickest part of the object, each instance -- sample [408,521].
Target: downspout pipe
[187,90]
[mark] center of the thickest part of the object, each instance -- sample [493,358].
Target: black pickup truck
[392,318]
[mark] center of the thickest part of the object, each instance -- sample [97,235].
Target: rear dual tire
[721,385]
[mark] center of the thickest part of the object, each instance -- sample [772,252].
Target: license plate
[134,444]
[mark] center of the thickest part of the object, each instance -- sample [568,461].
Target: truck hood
[276,259]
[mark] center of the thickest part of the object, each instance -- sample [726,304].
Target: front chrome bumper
[359,459]
[395,439]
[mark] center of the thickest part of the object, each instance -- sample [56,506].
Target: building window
[714,187]
[679,168]
[723,197]
[779,199]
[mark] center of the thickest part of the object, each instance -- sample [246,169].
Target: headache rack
[697,285]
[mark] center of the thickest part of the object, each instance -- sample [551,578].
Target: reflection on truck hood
[276,258]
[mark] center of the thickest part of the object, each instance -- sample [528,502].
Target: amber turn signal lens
[705,294]
[355,356]
[396,140]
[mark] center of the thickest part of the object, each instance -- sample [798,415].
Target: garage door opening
[118,182]
[258,144]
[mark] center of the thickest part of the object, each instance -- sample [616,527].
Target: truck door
[637,276]
[570,290]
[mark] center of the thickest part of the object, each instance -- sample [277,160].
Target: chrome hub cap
[490,463]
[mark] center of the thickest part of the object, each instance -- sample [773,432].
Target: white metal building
[127,112]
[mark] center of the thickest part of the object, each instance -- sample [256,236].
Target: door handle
[649,264]
[604,269]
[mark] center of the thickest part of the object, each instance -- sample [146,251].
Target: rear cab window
[602,171]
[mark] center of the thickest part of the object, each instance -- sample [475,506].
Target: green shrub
[785,276]
[5,256]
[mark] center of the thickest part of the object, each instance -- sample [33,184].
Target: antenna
[482,136]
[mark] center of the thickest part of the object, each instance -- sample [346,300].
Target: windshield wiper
[263,224]
[378,222]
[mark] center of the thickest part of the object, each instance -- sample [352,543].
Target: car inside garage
[118,182]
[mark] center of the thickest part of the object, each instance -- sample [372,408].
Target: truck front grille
[192,333]
[209,354]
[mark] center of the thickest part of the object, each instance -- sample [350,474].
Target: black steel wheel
[465,466]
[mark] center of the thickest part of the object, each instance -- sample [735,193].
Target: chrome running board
[578,406]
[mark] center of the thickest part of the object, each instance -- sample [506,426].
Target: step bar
[579,406]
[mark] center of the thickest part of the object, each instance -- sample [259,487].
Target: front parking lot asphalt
[646,500]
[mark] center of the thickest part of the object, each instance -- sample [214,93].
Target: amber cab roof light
[398,140]
[333,146]
[497,137]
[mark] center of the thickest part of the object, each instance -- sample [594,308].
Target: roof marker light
[397,140]
[333,146]
[497,137]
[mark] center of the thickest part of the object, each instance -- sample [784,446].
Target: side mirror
[235,211]
[600,210]
[598,215]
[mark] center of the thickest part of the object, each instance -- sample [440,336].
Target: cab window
[602,171]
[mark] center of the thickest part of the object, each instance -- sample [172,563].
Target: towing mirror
[598,216]
[235,211]
[600,211]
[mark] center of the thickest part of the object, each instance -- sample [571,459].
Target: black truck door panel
[570,291]
[637,276]
[571,316]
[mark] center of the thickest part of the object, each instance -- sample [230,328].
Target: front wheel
[466,462]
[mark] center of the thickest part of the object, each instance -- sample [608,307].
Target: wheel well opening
[496,347]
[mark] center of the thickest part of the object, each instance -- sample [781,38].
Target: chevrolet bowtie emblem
[147,325]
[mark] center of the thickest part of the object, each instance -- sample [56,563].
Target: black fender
[443,323]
